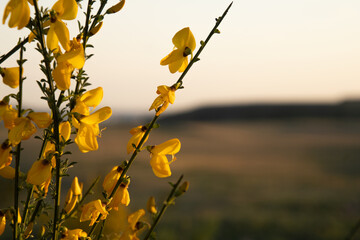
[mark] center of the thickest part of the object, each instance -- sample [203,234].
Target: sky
[269,51]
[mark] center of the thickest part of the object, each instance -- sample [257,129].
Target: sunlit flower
[185,44]
[137,134]
[90,99]
[5,155]
[166,96]
[23,127]
[2,222]
[134,227]
[67,62]
[58,32]
[159,161]
[40,172]
[92,210]
[74,234]
[121,196]
[111,179]
[19,13]
[88,125]
[73,195]
[10,76]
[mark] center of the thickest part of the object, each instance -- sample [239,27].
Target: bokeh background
[268,119]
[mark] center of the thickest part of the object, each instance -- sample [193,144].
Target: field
[274,180]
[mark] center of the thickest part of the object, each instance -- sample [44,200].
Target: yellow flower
[5,155]
[2,222]
[92,210]
[65,131]
[61,10]
[7,172]
[73,195]
[88,129]
[20,13]
[90,99]
[40,172]
[9,115]
[24,128]
[134,227]
[121,196]
[111,179]
[10,76]
[67,62]
[137,134]
[88,125]
[185,44]
[74,234]
[159,161]
[167,95]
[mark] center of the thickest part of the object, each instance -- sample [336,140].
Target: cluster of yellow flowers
[79,116]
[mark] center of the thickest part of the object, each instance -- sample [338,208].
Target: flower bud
[117,7]
[182,189]
[96,29]
[151,206]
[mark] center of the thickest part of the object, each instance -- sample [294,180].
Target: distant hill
[343,110]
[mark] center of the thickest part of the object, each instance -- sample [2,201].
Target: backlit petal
[174,56]
[42,119]
[175,66]
[98,116]
[62,33]
[160,165]
[181,38]
[62,75]
[93,97]
[171,146]
[86,138]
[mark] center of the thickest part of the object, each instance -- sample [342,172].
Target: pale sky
[268,51]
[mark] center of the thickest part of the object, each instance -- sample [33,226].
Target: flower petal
[181,38]
[174,56]
[93,97]
[42,119]
[160,165]
[98,116]
[171,146]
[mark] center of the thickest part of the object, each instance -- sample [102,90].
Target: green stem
[18,148]
[26,208]
[164,207]
[86,28]
[14,50]
[56,118]
[353,231]
[36,210]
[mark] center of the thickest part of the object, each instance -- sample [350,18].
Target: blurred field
[294,179]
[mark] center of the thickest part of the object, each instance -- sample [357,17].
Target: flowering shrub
[74,117]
